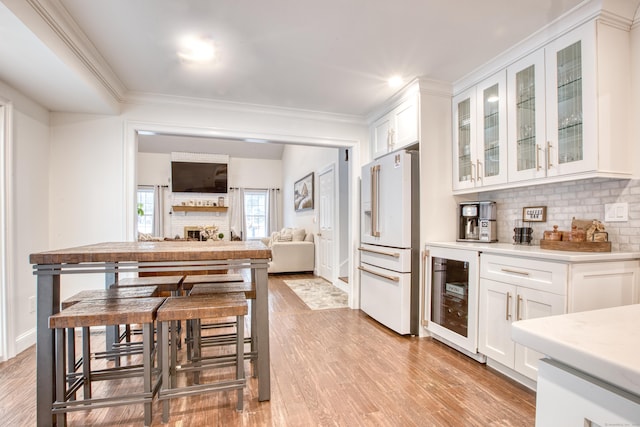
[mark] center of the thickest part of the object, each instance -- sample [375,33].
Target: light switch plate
[616,212]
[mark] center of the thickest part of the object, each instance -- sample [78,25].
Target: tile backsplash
[583,199]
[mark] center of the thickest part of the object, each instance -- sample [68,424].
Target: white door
[326,210]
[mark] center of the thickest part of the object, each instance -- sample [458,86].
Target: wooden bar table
[112,259]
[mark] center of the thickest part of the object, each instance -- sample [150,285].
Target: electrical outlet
[32,304]
[616,212]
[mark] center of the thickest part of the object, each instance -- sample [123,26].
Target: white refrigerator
[390,240]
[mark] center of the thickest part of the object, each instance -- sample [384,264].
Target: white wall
[298,161]
[92,151]
[155,169]
[28,214]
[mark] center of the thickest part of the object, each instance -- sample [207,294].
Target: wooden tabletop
[165,251]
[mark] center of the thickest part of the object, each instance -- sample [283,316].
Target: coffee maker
[477,222]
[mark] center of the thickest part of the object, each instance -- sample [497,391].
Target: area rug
[318,294]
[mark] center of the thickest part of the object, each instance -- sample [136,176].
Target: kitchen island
[592,372]
[113,259]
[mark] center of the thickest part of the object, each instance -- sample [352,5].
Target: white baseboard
[24,341]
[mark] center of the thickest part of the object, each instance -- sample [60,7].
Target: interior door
[326,196]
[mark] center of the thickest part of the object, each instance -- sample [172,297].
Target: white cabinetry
[567,108]
[552,108]
[568,397]
[480,134]
[515,288]
[397,128]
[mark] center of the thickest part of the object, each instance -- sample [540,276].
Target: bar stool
[249,291]
[193,279]
[167,286]
[113,350]
[192,310]
[104,312]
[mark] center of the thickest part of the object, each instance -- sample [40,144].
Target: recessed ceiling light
[395,81]
[197,49]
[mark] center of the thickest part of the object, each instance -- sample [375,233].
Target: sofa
[292,251]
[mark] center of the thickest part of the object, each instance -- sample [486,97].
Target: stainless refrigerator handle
[384,276]
[375,172]
[393,254]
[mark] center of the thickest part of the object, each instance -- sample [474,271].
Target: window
[145,206]
[255,213]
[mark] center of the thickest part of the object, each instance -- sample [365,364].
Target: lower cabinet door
[532,304]
[496,313]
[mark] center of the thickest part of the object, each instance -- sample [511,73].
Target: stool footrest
[201,388]
[105,402]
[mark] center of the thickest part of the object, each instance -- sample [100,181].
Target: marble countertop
[602,343]
[532,251]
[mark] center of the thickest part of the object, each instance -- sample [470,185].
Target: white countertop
[602,343]
[527,251]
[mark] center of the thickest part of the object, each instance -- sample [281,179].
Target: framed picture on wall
[303,193]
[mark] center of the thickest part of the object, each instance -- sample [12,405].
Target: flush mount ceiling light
[197,49]
[395,81]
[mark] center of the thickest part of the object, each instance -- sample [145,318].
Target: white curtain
[274,210]
[158,210]
[237,213]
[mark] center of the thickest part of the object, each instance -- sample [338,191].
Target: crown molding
[63,27]
[143,98]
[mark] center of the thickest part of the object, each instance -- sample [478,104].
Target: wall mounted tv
[192,177]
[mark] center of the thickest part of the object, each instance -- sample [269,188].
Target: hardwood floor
[328,368]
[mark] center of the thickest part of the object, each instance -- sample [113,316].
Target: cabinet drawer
[531,273]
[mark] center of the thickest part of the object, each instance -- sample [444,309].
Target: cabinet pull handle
[473,172]
[537,157]
[384,276]
[393,254]
[518,303]
[390,139]
[507,314]
[478,169]
[508,270]
[549,155]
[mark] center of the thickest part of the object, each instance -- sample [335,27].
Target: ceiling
[326,56]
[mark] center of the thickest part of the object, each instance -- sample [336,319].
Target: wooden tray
[559,245]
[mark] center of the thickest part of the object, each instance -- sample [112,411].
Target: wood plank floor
[329,368]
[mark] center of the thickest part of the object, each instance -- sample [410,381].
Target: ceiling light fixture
[197,49]
[395,81]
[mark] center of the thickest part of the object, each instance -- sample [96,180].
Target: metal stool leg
[240,358]
[86,361]
[61,384]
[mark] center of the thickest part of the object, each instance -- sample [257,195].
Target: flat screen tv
[192,177]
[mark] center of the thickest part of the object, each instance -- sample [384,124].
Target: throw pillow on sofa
[298,234]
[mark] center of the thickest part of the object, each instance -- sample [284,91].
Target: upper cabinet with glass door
[491,163]
[464,140]
[572,122]
[552,104]
[568,107]
[480,135]
[526,110]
